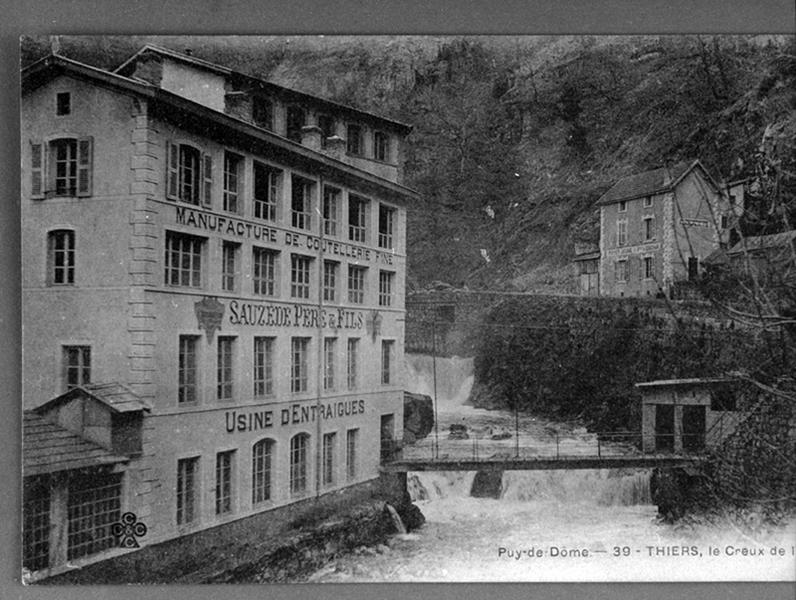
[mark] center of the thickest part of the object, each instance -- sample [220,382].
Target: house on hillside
[213,303]
[657,226]
[765,256]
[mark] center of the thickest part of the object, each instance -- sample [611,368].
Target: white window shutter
[36,170]
[85,151]
[172,170]
[207,180]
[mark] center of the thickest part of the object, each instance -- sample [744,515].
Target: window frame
[386,287]
[83,365]
[192,185]
[187,490]
[63,109]
[648,228]
[622,206]
[301,218]
[623,271]
[621,232]
[648,263]
[329,363]
[354,146]
[293,130]
[225,368]
[79,161]
[328,452]
[351,453]
[387,362]
[265,274]
[263,454]
[332,202]
[352,363]
[299,463]
[356,293]
[258,103]
[326,132]
[300,276]
[358,230]
[229,279]
[95,516]
[330,278]
[195,270]
[263,366]
[386,237]
[266,208]
[188,385]
[381,146]
[69,253]
[299,364]
[234,170]
[225,482]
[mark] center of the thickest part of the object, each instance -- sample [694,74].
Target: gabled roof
[117,397]
[763,242]
[650,183]
[126,67]
[47,448]
[213,122]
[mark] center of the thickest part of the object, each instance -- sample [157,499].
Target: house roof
[649,183]
[117,397]
[593,255]
[48,448]
[126,67]
[763,242]
[210,122]
[683,382]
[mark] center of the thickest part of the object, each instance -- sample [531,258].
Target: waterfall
[454,375]
[396,519]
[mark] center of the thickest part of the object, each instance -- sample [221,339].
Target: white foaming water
[578,519]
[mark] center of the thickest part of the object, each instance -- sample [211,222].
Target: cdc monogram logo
[128,529]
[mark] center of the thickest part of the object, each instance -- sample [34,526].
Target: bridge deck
[444,463]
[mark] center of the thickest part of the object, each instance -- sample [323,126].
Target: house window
[387,359]
[263,366]
[648,227]
[327,461]
[329,349]
[36,524]
[621,233]
[266,192]
[331,206]
[61,257]
[385,288]
[329,281]
[299,445]
[264,271]
[186,369]
[300,276]
[183,260]
[63,103]
[354,139]
[233,178]
[649,267]
[386,222]
[229,254]
[300,202]
[262,456]
[263,112]
[68,168]
[298,364]
[224,474]
[623,206]
[381,146]
[187,476]
[356,284]
[189,174]
[224,367]
[620,270]
[77,366]
[648,202]
[296,119]
[327,127]
[93,506]
[351,362]
[351,440]
[357,217]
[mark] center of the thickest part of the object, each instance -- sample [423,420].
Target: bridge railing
[554,445]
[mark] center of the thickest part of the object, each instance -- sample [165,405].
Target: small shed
[688,415]
[588,271]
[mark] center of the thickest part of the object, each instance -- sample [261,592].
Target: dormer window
[296,119]
[381,146]
[354,139]
[63,103]
[263,113]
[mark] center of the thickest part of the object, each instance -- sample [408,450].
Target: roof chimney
[55,44]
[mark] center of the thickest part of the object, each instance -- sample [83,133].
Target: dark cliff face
[515,138]
[418,416]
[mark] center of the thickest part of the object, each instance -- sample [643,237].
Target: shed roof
[115,396]
[648,183]
[48,448]
[684,382]
[763,242]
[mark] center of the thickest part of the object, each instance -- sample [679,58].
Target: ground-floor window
[224,465]
[94,505]
[187,474]
[36,526]
[299,445]
[329,440]
[262,453]
[351,439]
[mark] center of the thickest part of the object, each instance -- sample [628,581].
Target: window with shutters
[61,257]
[189,175]
[62,167]
[357,218]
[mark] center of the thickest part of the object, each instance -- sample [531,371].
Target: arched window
[299,445]
[262,456]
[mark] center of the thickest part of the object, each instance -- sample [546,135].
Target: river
[576,525]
